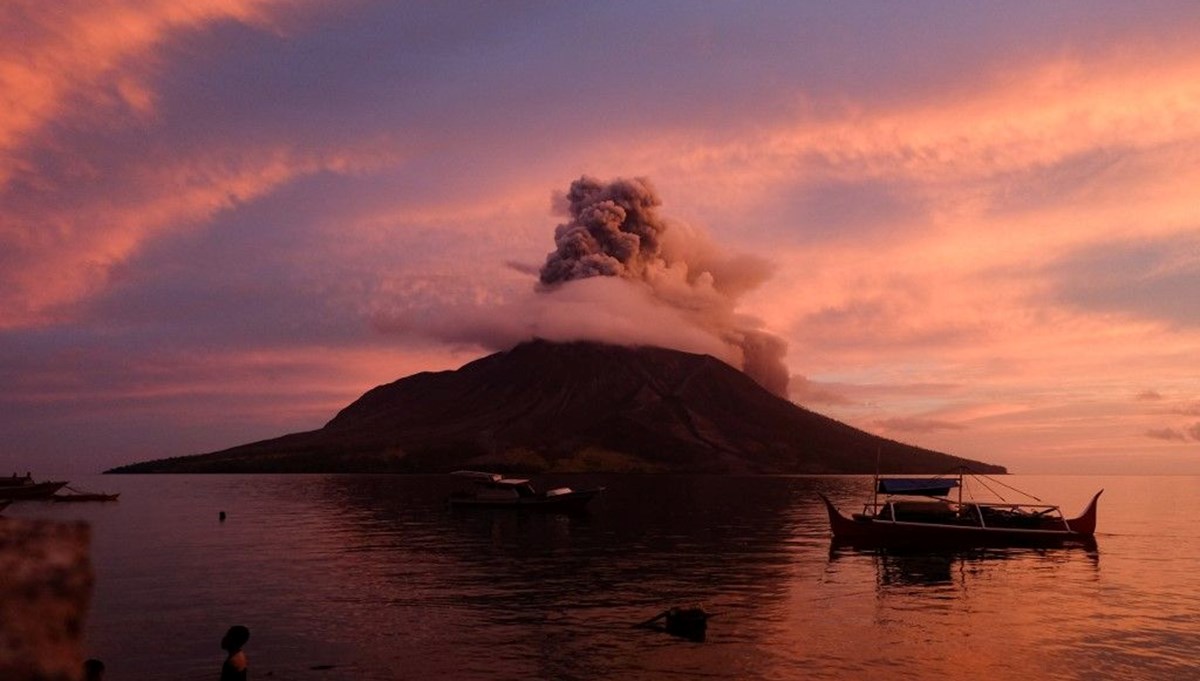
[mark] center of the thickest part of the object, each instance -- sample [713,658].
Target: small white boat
[493,490]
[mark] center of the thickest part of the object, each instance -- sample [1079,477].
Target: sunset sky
[976,225]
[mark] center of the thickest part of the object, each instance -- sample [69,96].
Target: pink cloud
[68,253]
[1193,431]
[807,392]
[918,234]
[1192,409]
[90,52]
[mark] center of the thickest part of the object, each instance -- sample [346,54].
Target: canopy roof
[929,487]
[478,475]
[490,478]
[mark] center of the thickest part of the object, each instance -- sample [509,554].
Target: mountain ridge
[571,407]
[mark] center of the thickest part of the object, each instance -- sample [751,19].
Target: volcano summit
[568,407]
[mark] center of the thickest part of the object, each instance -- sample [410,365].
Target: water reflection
[559,595]
[917,568]
[373,577]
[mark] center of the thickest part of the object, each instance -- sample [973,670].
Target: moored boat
[28,489]
[492,490]
[14,480]
[938,520]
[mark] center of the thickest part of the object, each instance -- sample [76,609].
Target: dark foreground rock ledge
[45,591]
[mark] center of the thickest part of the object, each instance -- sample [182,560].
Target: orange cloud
[957,294]
[975,192]
[1021,117]
[72,250]
[89,60]
[84,49]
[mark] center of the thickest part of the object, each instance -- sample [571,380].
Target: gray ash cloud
[614,229]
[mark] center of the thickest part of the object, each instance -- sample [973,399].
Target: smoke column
[620,273]
[614,230]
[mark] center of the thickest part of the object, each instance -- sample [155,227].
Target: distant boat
[17,489]
[14,480]
[493,490]
[939,520]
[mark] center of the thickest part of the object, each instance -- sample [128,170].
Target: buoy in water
[690,623]
[686,622]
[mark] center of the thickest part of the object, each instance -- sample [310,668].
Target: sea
[365,577]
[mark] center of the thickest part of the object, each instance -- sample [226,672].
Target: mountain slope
[572,407]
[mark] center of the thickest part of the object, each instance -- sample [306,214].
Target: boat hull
[869,531]
[37,490]
[573,501]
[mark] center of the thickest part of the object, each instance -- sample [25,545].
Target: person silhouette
[235,666]
[93,670]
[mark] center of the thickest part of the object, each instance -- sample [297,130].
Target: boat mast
[875,485]
[960,485]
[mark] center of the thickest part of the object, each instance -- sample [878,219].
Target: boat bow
[1085,524]
[841,526]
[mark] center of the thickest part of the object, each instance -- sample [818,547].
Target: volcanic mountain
[568,407]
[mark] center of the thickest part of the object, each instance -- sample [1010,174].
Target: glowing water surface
[373,577]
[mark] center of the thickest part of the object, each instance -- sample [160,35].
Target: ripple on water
[375,576]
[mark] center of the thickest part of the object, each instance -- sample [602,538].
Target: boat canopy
[479,475]
[928,487]
[490,478]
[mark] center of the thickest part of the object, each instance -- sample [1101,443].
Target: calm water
[376,577]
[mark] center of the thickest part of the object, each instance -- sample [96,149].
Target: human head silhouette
[93,670]
[235,638]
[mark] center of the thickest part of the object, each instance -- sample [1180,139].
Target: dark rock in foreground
[45,592]
[568,407]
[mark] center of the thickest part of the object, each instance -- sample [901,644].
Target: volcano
[573,407]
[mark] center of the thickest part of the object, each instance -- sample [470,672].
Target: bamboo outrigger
[493,490]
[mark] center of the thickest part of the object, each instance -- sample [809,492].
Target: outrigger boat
[939,520]
[73,494]
[15,480]
[496,491]
[20,488]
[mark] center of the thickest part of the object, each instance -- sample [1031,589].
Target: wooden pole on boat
[960,487]
[875,483]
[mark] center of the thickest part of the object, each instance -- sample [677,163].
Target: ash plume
[620,273]
[614,230]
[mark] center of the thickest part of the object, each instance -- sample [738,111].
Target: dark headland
[573,407]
